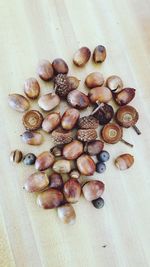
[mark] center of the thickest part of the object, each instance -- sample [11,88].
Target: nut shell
[101,94]
[72,190]
[86,165]
[61,136]
[31,88]
[99,54]
[104,114]
[66,214]
[114,83]
[49,101]
[112,133]
[94,79]
[45,70]
[78,99]
[73,150]
[36,182]
[62,166]
[125,96]
[56,181]
[18,102]
[16,156]
[88,122]
[50,199]
[32,120]
[127,116]
[44,161]
[60,66]
[93,189]
[94,147]
[74,174]
[124,161]
[70,118]
[73,82]
[81,56]
[51,121]
[32,138]
[86,135]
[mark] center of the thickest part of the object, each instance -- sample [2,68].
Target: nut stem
[136,129]
[126,143]
[99,106]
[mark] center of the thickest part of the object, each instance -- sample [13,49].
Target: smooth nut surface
[56,181]
[114,83]
[44,161]
[50,199]
[73,150]
[78,99]
[93,189]
[94,79]
[45,70]
[95,147]
[101,94]
[86,165]
[125,96]
[32,138]
[49,101]
[72,190]
[73,82]
[18,102]
[60,66]
[36,182]
[62,166]
[51,121]
[16,156]
[70,118]
[32,120]
[31,88]
[81,56]
[99,54]
[124,161]
[66,214]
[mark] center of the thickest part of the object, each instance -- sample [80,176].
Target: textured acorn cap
[88,122]
[60,136]
[86,135]
[62,85]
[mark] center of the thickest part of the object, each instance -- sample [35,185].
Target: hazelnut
[82,56]
[56,181]
[99,54]
[51,121]
[16,156]
[60,66]
[45,70]
[93,189]
[18,102]
[50,199]
[32,120]
[72,190]
[36,182]
[124,161]
[114,83]
[32,138]
[100,94]
[86,165]
[78,99]
[62,166]
[69,118]
[49,101]
[125,96]
[73,150]
[66,214]
[94,79]
[44,161]
[31,88]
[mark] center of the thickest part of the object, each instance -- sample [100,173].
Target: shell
[125,96]
[66,214]
[44,161]
[114,83]
[49,101]
[93,189]
[73,150]
[50,199]
[124,161]
[18,102]
[86,165]
[36,182]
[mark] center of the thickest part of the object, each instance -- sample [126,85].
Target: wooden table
[119,234]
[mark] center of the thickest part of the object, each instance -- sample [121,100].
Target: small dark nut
[60,66]
[104,114]
[99,54]
[73,150]
[16,156]
[56,181]
[93,190]
[31,88]
[74,174]
[49,101]
[50,199]
[36,182]
[32,120]
[78,99]
[29,159]
[125,96]
[86,165]
[98,203]
[45,70]
[72,190]
[94,147]
[70,118]
[44,161]
[51,121]
[66,214]
[57,150]
[82,56]
[94,79]
[32,138]
[114,83]
[18,102]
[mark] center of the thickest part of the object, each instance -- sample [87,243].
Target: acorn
[32,120]
[16,156]
[57,150]
[124,161]
[93,190]
[99,54]
[45,70]
[72,190]
[103,112]
[94,79]
[44,161]
[112,133]
[36,182]
[49,101]
[78,99]
[86,135]
[31,88]
[51,121]
[60,66]
[88,122]
[100,94]
[94,147]
[50,199]
[125,96]
[73,82]
[61,136]
[64,84]
[86,165]
[32,138]
[127,116]
[62,166]
[56,181]
[82,56]
[73,150]
[18,102]
[114,83]
[66,214]
[70,118]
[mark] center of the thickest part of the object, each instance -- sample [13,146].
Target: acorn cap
[61,136]
[127,116]
[88,122]
[32,120]
[62,85]
[112,133]
[86,135]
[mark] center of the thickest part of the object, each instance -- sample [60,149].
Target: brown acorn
[60,66]
[94,79]
[127,116]
[18,102]
[51,121]
[93,189]
[32,120]
[32,138]
[86,135]
[66,214]
[36,182]
[49,101]
[78,99]
[50,199]
[81,56]
[72,190]
[31,88]
[45,70]
[124,161]
[61,136]
[103,112]
[94,147]
[114,83]
[86,165]
[100,94]
[73,82]
[99,54]
[56,181]
[70,118]
[62,166]
[88,122]
[44,161]
[57,150]
[125,96]
[73,150]
[74,174]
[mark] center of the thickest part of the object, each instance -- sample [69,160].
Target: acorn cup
[112,133]
[81,56]
[127,116]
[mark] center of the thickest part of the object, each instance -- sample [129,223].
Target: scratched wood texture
[119,234]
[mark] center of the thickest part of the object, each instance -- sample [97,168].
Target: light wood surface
[119,234]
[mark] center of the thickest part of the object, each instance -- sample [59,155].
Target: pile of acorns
[75,137]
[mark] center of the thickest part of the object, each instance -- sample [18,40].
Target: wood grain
[119,234]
